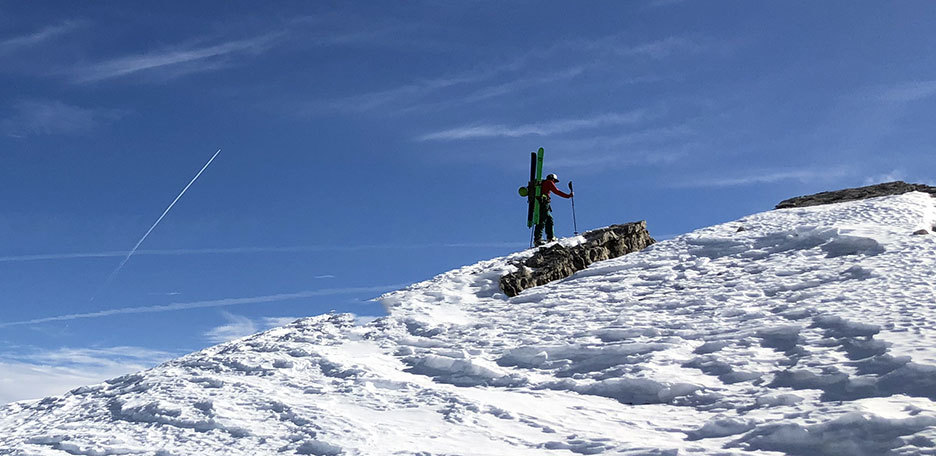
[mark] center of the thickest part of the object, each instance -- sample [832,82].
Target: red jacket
[548,186]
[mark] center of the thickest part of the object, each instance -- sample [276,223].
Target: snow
[810,331]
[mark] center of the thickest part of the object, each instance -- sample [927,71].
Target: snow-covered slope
[810,331]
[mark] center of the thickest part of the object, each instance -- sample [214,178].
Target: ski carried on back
[533,190]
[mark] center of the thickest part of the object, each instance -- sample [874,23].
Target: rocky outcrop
[558,262]
[851,194]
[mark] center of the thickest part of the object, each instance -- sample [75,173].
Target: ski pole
[574,223]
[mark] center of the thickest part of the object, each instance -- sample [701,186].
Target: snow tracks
[804,331]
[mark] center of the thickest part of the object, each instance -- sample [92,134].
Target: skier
[545,219]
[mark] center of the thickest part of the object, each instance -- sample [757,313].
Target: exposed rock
[851,194]
[558,262]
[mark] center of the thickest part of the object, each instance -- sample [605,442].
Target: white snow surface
[811,331]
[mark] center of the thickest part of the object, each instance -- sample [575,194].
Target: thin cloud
[770,177]
[48,117]
[909,91]
[413,96]
[341,28]
[40,373]
[197,58]
[667,47]
[662,3]
[106,357]
[204,304]
[535,129]
[510,75]
[512,86]
[894,175]
[408,93]
[24,381]
[627,157]
[237,326]
[248,250]
[646,147]
[374,100]
[516,85]
[620,45]
[275,322]
[670,134]
[49,33]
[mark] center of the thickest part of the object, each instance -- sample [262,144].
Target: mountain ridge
[809,332]
[856,193]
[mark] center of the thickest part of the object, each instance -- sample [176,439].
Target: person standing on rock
[545,219]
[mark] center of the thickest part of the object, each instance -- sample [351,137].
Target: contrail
[112,275]
[249,250]
[224,302]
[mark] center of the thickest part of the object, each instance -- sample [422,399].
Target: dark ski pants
[546,221]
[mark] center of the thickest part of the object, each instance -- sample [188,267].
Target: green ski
[539,188]
[535,190]
[532,190]
[529,192]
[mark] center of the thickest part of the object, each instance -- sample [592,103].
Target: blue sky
[374,144]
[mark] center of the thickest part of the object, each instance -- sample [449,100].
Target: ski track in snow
[811,331]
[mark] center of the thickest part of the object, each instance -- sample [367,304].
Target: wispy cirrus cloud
[52,117]
[535,129]
[482,83]
[518,84]
[106,357]
[660,3]
[666,47]
[479,85]
[523,71]
[211,54]
[43,35]
[642,156]
[893,175]
[676,133]
[644,147]
[36,373]
[406,95]
[510,86]
[174,61]
[402,94]
[767,177]
[238,326]
[909,91]
[204,304]
[621,45]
